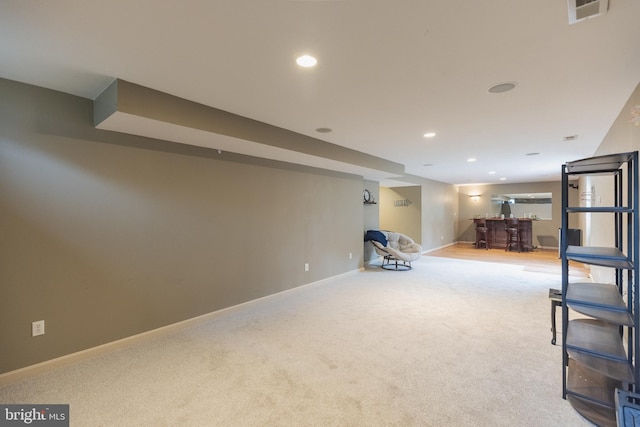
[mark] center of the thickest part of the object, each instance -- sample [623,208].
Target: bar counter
[498,234]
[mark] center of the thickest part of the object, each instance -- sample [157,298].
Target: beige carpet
[450,343]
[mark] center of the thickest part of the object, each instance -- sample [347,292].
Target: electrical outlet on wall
[37,328]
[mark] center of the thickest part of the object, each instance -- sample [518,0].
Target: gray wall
[106,235]
[431,219]
[439,214]
[623,137]
[438,211]
[371,218]
[402,219]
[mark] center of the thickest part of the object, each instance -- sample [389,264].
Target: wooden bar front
[498,234]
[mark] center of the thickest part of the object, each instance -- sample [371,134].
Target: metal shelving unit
[598,352]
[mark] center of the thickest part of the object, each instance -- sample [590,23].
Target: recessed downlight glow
[503,179]
[429,134]
[471,160]
[306,61]
[492,172]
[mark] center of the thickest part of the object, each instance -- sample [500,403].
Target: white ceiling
[388,71]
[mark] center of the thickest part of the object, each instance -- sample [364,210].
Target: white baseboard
[438,248]
[69,359]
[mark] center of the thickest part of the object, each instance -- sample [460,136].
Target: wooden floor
[539,260]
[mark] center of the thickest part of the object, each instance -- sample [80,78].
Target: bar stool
[482,234]
[524,233]
[513,234]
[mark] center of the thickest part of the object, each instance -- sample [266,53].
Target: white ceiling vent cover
[580,10]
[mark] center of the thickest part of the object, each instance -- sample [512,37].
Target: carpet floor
[448,343]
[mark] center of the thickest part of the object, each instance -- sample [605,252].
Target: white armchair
[398,250]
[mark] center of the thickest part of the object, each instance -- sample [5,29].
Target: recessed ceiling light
[306,61]
[492,172]
[503,179]
[324,130]
[470,160]
[429,134]
[502,87]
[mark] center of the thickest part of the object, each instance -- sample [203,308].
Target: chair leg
[513,240]
[482,239]
[391,263]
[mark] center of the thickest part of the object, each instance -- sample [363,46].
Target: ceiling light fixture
[429,134]
[306,61]
[503,179]
[502,87]
[492,172]
[471,160]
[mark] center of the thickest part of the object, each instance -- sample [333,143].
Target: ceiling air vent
[580,10]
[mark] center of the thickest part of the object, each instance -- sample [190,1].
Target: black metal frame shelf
[597,209]
[599,300]
[603,256]
[596,360]
[589,394]
[601,164]
[598,345]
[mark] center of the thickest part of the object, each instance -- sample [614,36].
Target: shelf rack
[596,360]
